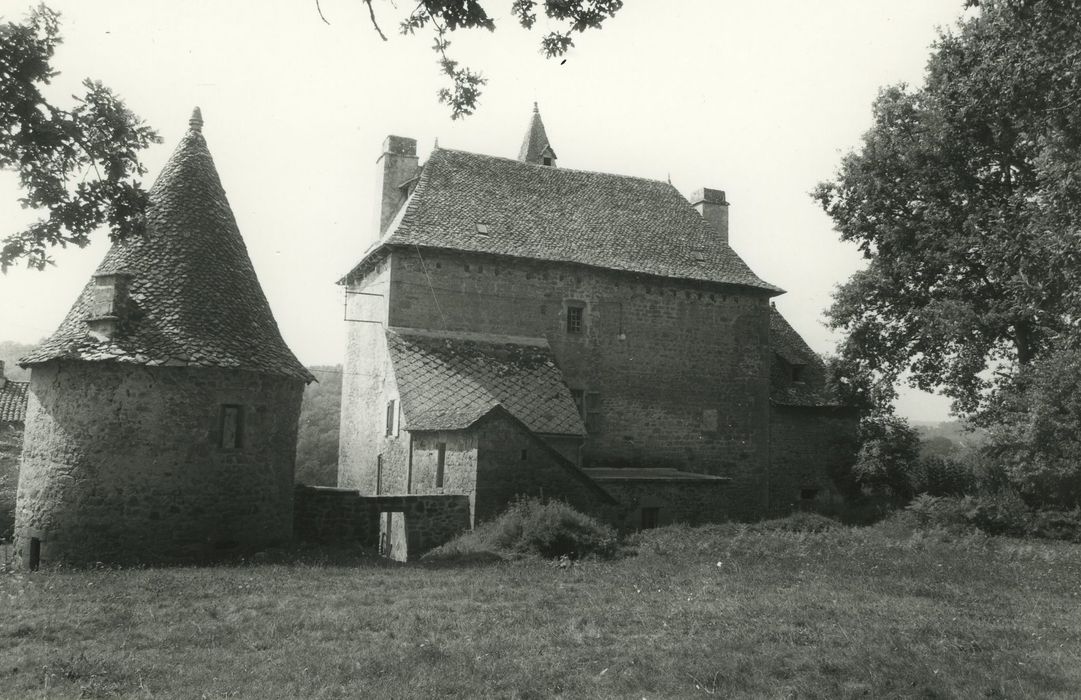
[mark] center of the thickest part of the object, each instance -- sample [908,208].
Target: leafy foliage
[889,450]
[447,16]
[964,199]
[317,436]
[79,165]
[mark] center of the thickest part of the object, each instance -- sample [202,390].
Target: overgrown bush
[937,511]
[798,522]
[533,527]
[889,451]
[1056,525]
[999,513]
[942,476]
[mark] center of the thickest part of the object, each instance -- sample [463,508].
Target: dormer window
[547,160]
[482,229]
[699,255]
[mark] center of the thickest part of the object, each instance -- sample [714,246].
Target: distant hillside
[949,439]
[10,352]
[317,440]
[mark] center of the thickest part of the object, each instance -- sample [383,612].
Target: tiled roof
[647,474]
[536,141]
[447,381]
[793,350]
[544,213]
[13,397]
[196,296]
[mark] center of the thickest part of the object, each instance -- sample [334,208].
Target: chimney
[109,305]
[713,207]
[395,171]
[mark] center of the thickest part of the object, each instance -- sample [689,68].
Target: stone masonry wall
[332,515]
[675,373]
[512,464]
[124,463]
[807,445]
[676,501]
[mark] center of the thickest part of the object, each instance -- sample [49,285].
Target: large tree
[965,199]
[77,165]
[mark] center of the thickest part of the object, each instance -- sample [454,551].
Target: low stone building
[162,415]
[12,417]
[630,298]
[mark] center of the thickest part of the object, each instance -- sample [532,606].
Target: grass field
[717,611]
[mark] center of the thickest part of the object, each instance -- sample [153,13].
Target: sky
[761,100]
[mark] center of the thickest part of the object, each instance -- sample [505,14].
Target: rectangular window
[441,465]
[575,318]
[579,397]
[379,475]
[390,417]
[231,426]
[650,518]
[593,412]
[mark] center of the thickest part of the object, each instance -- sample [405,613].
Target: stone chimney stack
[713,207]
[395,171]
[109,305]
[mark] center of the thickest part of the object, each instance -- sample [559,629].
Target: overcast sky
[758,99]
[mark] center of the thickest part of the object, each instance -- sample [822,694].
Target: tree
[79,164]
[447,16]
[965,199]
[317,436]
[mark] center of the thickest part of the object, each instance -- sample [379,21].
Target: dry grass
[717,611]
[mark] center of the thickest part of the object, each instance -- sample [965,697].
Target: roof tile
[13,397]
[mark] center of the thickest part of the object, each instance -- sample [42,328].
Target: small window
[699,255]
[482,229]
[575,318]
[808,494]
[579,397]
[525,455]
[650,518]
[441,465]
[797,373]
[231,426]
[547,160]
[391,415]
[379,475]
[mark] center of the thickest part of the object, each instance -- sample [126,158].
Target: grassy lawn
[717,611]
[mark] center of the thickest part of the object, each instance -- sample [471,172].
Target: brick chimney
[109,305]
[395,170]
[713,207]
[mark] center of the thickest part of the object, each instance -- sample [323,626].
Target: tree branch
[320,11]
[371,14]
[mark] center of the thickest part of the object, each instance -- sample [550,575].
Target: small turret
[536,148]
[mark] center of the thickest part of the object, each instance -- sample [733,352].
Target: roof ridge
[560,169]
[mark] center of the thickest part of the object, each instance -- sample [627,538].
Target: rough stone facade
[337,516]
[124,463]
[670,502]
[809,444]
[673,373]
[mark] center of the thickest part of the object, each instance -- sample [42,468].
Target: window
[547,160]
[379,475]
[575,318]
[391,406]
[525,455]
[650,518]
[441,465]
[797,373]
[579,397]
[482,229]
[231,426]
[709,420]
[588,404]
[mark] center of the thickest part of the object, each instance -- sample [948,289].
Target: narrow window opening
[231,427]
[525,455]
[441,465]
[391,405]
[379,475]
[797,373]
[575,319]
[650,518]
[579,397]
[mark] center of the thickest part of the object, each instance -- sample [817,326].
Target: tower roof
[194,298]
[536,142]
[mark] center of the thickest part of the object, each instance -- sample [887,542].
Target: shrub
[942,476]
[938,511]
[548,529]
[999,513]
[1056,525]
[798,522]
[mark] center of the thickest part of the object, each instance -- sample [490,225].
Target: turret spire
[196,121]
[535,148]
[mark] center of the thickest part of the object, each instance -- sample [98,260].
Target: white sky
[758,99]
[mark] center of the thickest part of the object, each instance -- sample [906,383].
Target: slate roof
[13,396]
[536,141]
[557,214]
[789,346]
[197,299]
[648,474]
[448,381]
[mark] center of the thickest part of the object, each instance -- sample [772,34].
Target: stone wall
[334,515]
[675,374]
[690,502]
[808,444]
[125,463]
[512,463]
[460,462]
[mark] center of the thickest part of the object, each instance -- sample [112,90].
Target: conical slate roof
[194,296]
[536,141]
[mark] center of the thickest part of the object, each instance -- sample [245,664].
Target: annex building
[519,328]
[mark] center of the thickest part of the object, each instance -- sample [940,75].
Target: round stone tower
[162,416]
